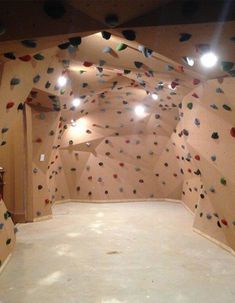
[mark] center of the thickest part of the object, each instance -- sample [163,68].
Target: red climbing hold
[25,58]
[224,222]
[232,132]
[47,201]
[195,95]
[121,164]
[38,140]
[10,105]
[87,64]
[197,157]
[115,176]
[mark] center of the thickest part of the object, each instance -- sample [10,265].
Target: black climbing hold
[64,45]
[215,135]
[106,35]
[184,37]
[10,55]
[129,34]
[75,41]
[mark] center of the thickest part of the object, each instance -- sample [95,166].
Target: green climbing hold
[223,181]
[121,47]
[39,57]
[190,105]
[226,66]
[226,107]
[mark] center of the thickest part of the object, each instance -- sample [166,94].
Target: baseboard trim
[4,264]
[187,208]
[221,245]
[43,218]
[117,201]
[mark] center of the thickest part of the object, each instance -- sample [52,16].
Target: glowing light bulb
[62,80]
[208,59]
[154,96]
[76,102]
[139,110]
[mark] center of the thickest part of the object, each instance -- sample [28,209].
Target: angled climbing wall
[179,146]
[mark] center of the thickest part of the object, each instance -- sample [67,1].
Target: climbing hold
[48,84]
[232,132]
[226,66]
[190,105]
[25,58]
[15,81]
[184,37]
[106,35]
[147,52]
[138,64]
[224,222]
[10,105]
[227,107]
[223,181]
[4,130]
[219,225]
[101,63]
[64,45]
[29,43]
[38,57]
[213,157]
[50,70]
[195,95]
[40,187]
[10,55]
[70,142]
[121,47]
[129,34]
[8,241]
[36,79]
[215,135]
[75,41]
[197,121]
[87,64]
[107,50]
[214,106]
[197,157]
[112,20]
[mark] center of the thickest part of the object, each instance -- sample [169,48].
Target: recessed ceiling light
[76,102]
[139,110]
[208,59]
[154,96]
[62,80]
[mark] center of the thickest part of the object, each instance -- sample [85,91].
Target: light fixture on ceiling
[76,102]
[208,60]
[62,80]
[154,96]
[139,110]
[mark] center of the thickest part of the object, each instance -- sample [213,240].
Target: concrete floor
[117,253]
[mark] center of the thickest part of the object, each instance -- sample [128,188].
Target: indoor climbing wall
[208,117]
[144,126]
[7,233]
